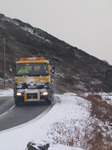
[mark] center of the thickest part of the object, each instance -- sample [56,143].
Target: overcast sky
[86,24]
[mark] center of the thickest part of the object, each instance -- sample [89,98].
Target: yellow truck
[33,81]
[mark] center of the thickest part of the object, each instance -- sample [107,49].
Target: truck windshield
[32,69]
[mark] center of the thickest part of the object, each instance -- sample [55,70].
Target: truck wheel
[49,102]
[17,103]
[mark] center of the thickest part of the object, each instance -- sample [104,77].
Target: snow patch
[66,126]
[7,92]
[68,116]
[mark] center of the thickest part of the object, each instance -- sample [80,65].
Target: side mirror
[10,70]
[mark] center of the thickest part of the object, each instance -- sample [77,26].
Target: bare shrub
[98,107]
[68,133]
[94,133]
[101,138]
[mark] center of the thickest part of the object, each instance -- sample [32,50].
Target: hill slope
[75,69]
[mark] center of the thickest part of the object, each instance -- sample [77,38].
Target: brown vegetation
[102,112]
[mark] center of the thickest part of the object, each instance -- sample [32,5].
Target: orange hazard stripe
[39,95]
[25,97]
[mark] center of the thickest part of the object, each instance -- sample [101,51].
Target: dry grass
[101,110]
[93,135]
[69,133]
[7,85]
[65,134]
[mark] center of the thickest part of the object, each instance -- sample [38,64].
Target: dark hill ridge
[75,69]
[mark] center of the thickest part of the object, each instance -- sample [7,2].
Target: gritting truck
[33,81]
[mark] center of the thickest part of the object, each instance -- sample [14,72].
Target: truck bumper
[25,96]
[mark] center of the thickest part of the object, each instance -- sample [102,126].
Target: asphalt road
[11,115]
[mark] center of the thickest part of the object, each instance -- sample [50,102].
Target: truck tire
[49,102]
[17,103]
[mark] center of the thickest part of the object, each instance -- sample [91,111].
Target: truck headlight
[19,94]
[45,93]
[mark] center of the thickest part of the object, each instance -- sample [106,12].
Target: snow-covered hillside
[67,126]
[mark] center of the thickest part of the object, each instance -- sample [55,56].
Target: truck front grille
[32,96]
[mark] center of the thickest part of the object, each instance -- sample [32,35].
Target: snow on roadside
[106,97]
[7,92]
[63,126]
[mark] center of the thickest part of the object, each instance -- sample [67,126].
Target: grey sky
[86,24]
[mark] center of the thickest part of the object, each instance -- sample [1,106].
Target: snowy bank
[6,92]
[62,127]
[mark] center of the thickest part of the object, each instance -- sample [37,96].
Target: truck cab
[33,81]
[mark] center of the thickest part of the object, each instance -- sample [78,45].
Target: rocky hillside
[75,69]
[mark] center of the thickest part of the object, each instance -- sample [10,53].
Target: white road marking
[7,111]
